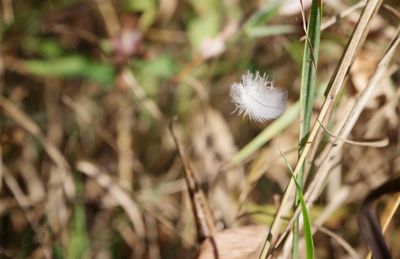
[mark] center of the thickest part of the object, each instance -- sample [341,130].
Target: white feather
[257,98]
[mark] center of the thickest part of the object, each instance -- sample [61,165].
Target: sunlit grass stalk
[307,94]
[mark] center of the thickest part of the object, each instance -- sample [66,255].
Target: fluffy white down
[257,98]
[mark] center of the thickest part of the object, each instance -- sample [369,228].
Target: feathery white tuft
[257,98]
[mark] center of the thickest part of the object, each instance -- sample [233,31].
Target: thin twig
[349,249]
[377,143]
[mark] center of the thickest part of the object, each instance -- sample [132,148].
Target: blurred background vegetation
[89,168]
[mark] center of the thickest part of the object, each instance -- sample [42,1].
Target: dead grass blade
[22,200]
[335,85]
[24,203]
[392,10]
[390,215]
[35,187]
[30,126]
[202,213]
[117,193]
[368,221]
[124,143]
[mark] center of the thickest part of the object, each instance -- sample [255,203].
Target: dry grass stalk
[117,193]
[124,143]
[30,126]
[320,178]
[349,249]
[335,86]
[203,217]
[352,117]
[24,203]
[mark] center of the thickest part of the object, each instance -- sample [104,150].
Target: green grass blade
[270,30]
[79,245]
[304,211]
[307,225]
[307,93]
[309,68]
[264,15]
